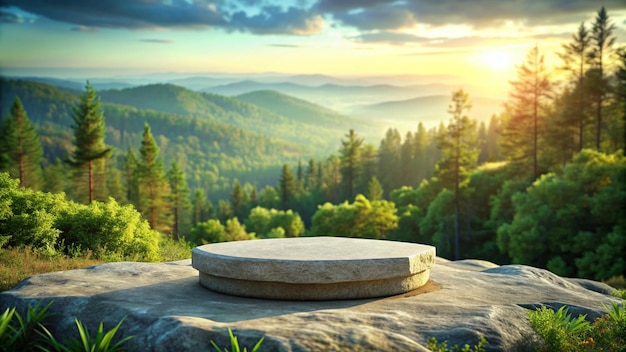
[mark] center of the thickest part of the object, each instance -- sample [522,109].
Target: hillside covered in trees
[542,183]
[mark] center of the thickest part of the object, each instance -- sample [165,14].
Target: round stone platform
[313,268]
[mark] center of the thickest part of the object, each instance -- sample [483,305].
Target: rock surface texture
[168,310]
[313,268]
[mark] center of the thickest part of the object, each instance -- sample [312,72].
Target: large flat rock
[168,310]
[313,268]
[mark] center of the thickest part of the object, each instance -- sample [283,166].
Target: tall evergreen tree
[179,199]
[350,152]
[421,159]
[459,148]
[389,160]
[375,190]
[311,178]
[201,207]
[154,188]
[575,58]
[20,149]
[286,186]
[369,168]
[89,146]
[602,40]
[526,108]
[237,200]
[407,169]
[130,177]
[621,89]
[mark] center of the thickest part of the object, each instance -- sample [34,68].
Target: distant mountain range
[431,110]
[337,102]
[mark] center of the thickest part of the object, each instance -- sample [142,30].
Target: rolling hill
[430,110]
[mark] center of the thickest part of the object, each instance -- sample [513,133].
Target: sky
[479,40]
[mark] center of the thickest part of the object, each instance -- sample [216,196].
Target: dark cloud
[275,20]
[10,17]
[151,14]
[133,14]
[303,17]
[393,14]
[157,41]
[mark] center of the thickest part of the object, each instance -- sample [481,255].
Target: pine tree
[237,200]
[375,190]
[369,167]
[201,207]
[421,161]
[286,186]
[459,150]
[154,189]
[130,178]
[389,160]
[575,57]
[20,149]
[179,199]
[621,88]
[407,169]
[602,42]
[531,90]
[311,178]
[350,152]
[89,146]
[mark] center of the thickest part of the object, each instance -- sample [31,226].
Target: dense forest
[542,183]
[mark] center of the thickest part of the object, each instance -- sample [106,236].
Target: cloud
[157,41]
[304,17]
[10,17]
[231,15]
[285,45]
[84,29]
[274,20]
[393,14]
[393,38]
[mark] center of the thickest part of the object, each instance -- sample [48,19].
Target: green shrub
[561,332]
[234,344]
[433,345]
[109,228]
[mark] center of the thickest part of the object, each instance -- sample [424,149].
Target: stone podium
[313,268]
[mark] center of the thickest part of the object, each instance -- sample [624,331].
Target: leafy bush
[561,332]
[433,345]
[110,227]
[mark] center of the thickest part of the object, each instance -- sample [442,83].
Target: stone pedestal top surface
[313,268]
[313,260]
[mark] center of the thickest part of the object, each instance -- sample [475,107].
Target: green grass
[16,264]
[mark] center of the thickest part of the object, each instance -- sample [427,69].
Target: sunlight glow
[497,60]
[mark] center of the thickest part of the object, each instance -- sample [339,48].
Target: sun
[497,60]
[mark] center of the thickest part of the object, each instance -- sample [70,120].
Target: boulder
[167,309]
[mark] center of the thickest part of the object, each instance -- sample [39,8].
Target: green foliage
[19,333]
[21,153]
[433,345]
[569,221]
[562,332]
[109,227]
[362,218]
[89,129]
[264,221]
[102,342]
[234,344]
